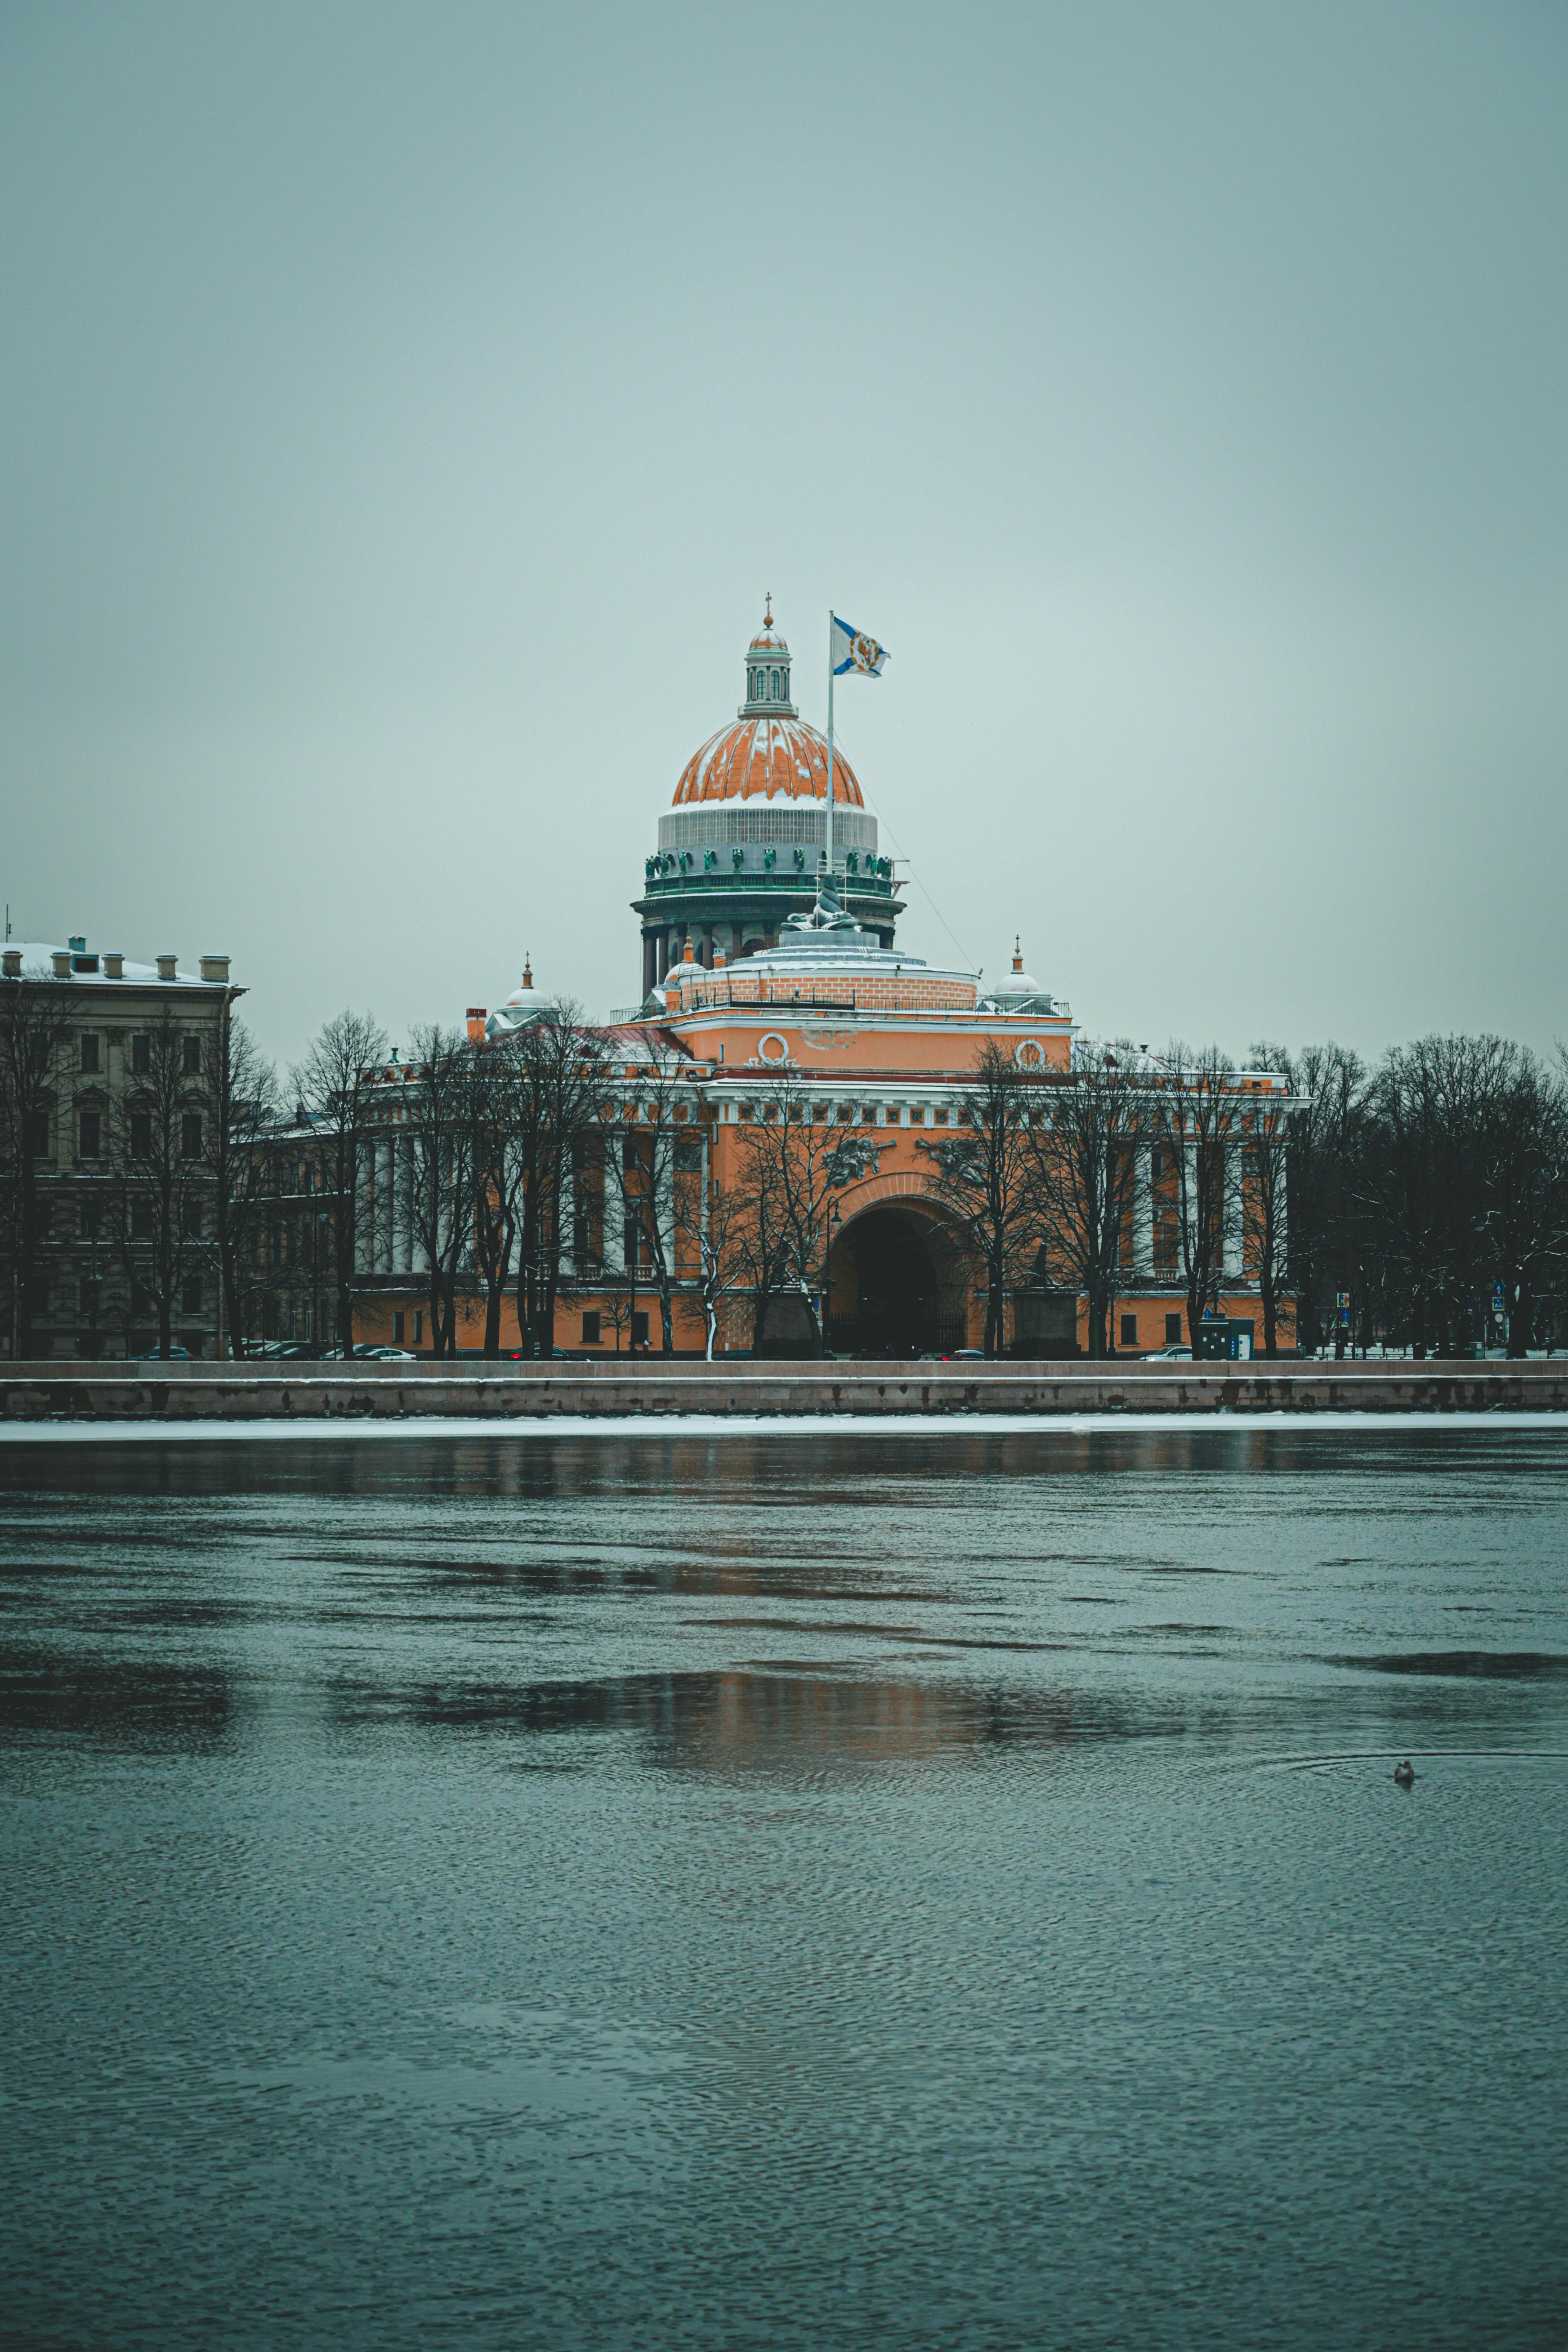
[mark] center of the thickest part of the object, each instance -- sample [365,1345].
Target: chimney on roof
[61,959]
[166,967]
[114,967]
[215,968]
[77,947]
[13,963]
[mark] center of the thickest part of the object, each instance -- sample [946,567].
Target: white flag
[855,653]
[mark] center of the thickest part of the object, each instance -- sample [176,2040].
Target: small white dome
[1018,981]
[525,1004]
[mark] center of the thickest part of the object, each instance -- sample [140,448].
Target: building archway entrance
[889,1290]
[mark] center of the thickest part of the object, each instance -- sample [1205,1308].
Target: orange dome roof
[766,756]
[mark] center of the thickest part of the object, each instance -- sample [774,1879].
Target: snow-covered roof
[86,966]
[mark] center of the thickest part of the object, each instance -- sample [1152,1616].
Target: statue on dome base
[829,913]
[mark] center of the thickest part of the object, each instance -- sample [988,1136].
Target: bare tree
[497,1175]
[1266,1197]
[335,1087]
[443,1142]
[1526,1190]
[1322,1143]
[1421,1177]
[654,1103]
[557,1105]
[1081,1135]
[712,1221]
[983,1180]
[245,1109]
[618,1303]
[1197,1110]
[163,1196]
[794,1163]
[34,1010]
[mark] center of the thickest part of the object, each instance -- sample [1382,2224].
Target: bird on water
[1405,1773]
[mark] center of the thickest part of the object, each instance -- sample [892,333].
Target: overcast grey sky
[406,408]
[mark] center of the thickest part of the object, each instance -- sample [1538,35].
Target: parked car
[1168,1355]
[389,1355]
[162,1356]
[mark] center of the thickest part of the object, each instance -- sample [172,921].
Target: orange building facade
[764,972]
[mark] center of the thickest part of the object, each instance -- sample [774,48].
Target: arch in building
[899,1280]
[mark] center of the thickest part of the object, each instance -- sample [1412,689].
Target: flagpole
[830,750]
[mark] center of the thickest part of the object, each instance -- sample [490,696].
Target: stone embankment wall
[313,1392]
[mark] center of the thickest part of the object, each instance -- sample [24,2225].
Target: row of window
[89,1135]
[769,685]
[91,1225]
[847,1115]
[634,1322]
[92,1300]
[91,1044]
[1173,1331]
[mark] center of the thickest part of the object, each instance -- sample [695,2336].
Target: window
[892,1118]
[141,1135]
[639,1328]
[191,1294]
[91,1295]
[89,1220]
[191,1056]
[397,1326]
[191,1135]
[591,1327]
[140,1056]
[141,1298]
[142,1220]
[1130,1330]
[942,1119]
[916,1119]
[88,1050]
[38,1134]
[191,1220]
[418,1324]
[91,1135]
[629,1159]
[1172,1330]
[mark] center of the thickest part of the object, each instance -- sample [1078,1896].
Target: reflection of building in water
[749,1716]
[774,991]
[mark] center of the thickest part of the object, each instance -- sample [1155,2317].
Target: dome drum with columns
[742,846]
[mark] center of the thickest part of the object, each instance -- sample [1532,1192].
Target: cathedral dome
[770,748]
[767,756]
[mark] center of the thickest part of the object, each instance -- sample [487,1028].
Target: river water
[785,1890]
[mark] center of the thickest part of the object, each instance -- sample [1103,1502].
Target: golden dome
[764,757]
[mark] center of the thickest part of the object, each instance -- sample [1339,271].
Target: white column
[1234,1235]
[405,1226]
[1143,1213]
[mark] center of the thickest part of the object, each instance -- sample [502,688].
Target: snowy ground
[784,1425]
